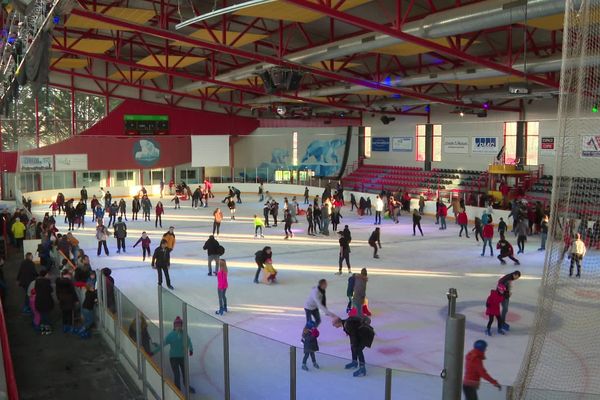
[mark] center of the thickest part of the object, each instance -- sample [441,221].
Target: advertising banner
[456,145]
[71,162]
[380,144]
[485,145]
[36,163]
[402,143]
[590,146]
[547,145]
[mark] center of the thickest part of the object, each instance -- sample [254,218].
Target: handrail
[9,372]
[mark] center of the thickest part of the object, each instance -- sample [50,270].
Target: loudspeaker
[386,120]
[293,80]
[268,82]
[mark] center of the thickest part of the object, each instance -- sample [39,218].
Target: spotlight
[427,108]
[56,19]
[386,120]
[486,106]
[342,114]
[11,39]
[595,108]
[462,114]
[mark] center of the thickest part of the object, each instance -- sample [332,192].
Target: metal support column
[453,350]
[388,384]
[226,381]
[162,339]
[292,373]
[186,353]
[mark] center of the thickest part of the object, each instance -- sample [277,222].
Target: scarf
[324,298]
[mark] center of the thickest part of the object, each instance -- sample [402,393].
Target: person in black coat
[109,287]
[43,301]
[161,260]
[361,335]
[214,251]
[416,222]
[260,257]
[27,274]
[67,299]
[84,194]
[374,241]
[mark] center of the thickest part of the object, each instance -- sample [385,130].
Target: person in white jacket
[578,250]
[315,302]
[378,210]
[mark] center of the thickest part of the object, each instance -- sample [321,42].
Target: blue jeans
[88,317]
[310,314]
[544,238]
[222,299]
[489,243]
[442,222]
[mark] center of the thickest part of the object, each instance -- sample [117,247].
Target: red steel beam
[373,26]
[263,58]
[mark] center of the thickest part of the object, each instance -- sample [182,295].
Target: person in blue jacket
[176,356]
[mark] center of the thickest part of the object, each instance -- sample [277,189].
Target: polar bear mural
[280,156]
[324,151]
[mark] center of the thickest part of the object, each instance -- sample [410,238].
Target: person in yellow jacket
[18,230]
[170,238]
[258,226]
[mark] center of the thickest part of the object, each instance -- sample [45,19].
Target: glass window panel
[367,142]
[510,142]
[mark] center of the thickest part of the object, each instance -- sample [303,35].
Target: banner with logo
[36,163]
[590,146]
[380,144]
[485,145]
[71,162]
[547,145]
[402,143]
[456,145]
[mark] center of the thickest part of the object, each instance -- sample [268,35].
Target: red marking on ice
[589,294]
[389,350]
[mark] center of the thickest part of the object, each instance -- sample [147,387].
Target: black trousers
[521,243]
[177,366]
[120,244]
[266,218]
[160,271]
[102,243]
[575,260]
[470,392]
[216,227]
[144,251]
[134,216]
[67,316]
[287,228]
[311,226]
[158,221]
[260,266]
[344,255]
[417,225]
[312,357]
[501,258]
[357,354]
[491,320]
[374,246]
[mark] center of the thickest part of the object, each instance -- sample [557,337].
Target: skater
[176,342]
[27,274]
[306,195]
[270,271]
[521,231]
[274,211]
[350,292]
[238,194]
[361,335]
[309,338]
[487,235]
[146,207]
[261,191]
[222,286]
[335,219]
[102,235]
[477,228]
[353,204]
[544,233]
[416,217]
[260,257]
[161,187]
[438,203]
[506,250]
[83,195]
[217,218]
[43,301]
[113,210]
[159,210]
[378,210]
[578,251]
[360,291]
[492,309]
[502,227]
[87,310]
[214,251]
[169,236]
[161,260]
[294,210]
[196,196]
[317,300]
[176,200]
[67,299]
[258,226]
[347,234]
[317,214]
[123,209]
[135,208]
[310,220]
[344,253]
[120,232]
[374,241]
[463,220]
[443,213]
[507,281]
[287,227]
[231,206]
[474,371]
[145,241]
[421,204]
[266,212]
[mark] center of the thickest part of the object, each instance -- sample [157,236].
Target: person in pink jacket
[222,285]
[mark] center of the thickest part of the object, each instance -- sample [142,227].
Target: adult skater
[578,251]
[231,206]
[169,236]
[146,207]
[274,211]
[544,233]
[487,234]
[120,232]
[135,208]
[506,250]
[347,234]
[344,253]
[196,196]
[443,213]
[507,280]
[258,227]
[474,371]
[416,217]
[176,342]
[287,227]
[374,241]
[159,211]
[521,231]
[84,195]
[260,257]
[361,335]
[102,235]
[261,193]
[222,286]
[214,250]
[378,210]
[317,216]
[353,204]
[317,300]
[123,209]
[463,221]
[217,218]
[161,260]
[421,204]
[360,291]
[306,195]
[310,221]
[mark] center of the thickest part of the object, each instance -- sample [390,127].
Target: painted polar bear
[280,156]
[324,151]
[148,151]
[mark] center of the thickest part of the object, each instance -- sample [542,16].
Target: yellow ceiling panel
[69,63]
[230,37]
[336,65]
[551,22]
[411,49]
[249,81]
[161,60]
[135,75]
[500,80]
[374,92]
[95,46]
[209,91]
[133,15]
[281,10]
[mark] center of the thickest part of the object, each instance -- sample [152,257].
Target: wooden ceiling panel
[135,75]
[281,10]
[231,37]
[94,46]
[133,15]
[411,49]
[161,60]
[69,63]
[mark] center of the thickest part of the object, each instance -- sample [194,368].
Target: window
[124,175]
[532,130]
[91,177]
[531,137]
[367,142]
[295,148]
[187,175]
[510,142]
[436,152]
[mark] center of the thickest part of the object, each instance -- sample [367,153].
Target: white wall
[468,126]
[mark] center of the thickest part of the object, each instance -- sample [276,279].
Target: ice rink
[406,289]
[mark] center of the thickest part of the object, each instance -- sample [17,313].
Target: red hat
[178,322]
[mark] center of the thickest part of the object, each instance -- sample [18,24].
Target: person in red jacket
[487,235]
[160,210]
[463,221]
[474,371]
[443,212]
[492,309]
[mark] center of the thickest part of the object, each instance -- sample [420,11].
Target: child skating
[258,226]
[176,200]
[270,272]
[309,337]
[222,285]
[145,241]
[492,309]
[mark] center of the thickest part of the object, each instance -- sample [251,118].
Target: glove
[191,353]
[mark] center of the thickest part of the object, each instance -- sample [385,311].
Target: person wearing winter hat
[474,371]
[175,341]
[310,333]
[492,308]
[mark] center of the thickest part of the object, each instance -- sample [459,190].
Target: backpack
[366,334]
[220,250]
[350,288]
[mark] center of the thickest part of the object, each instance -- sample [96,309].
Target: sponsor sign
[36,163]
[402,143]
[380,144]
[590,146]
[456,145]
[71,162]
[485,145]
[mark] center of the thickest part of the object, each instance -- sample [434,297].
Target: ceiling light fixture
[222,11]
